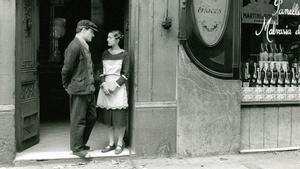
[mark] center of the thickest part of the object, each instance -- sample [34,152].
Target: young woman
[112,97]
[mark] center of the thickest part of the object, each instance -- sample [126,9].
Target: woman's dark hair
[117,34]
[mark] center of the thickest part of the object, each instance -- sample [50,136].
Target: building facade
[186,95]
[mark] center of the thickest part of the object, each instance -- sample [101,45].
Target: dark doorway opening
[53,98]
[58,19]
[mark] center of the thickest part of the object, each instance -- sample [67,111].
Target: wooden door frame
[133,28]
[32,21]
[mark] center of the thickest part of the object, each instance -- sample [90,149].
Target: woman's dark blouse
[124,74]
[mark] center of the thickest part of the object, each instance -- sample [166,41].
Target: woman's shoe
[119,149]
[108,148]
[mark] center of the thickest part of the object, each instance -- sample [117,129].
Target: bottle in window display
[295,63]
[263,54]
[271,53]
[267,52]
[289,76]
[258,78]
[263,75]
[269,75]
[294,78]
[245,75]
[297,75]
[280,55]
[252,72]
[294,70]
[275,75]
[282,76]
[254,75]
[276,53]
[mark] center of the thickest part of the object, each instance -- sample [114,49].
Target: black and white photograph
[150,84]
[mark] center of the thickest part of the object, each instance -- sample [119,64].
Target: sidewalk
[278,160]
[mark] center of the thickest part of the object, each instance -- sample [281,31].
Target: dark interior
[54,104]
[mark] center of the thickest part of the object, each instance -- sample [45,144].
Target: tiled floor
[55,139]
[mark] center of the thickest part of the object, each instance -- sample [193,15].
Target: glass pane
[270,50]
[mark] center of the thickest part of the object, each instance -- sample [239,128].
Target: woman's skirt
[114,106]
[115,118]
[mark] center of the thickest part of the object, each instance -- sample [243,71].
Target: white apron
[117,99]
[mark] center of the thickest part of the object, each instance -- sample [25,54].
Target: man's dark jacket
[75,71]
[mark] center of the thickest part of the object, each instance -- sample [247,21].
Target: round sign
[211,19]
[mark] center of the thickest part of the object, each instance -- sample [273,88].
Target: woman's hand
[112,86]
[105,88]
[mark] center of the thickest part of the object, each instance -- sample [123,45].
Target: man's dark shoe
[80,154]
[86,147]
[108,148]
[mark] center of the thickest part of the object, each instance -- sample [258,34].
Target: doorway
[57,24]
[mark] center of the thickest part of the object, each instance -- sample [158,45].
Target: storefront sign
[255,11]
[209,31]
[211,18]
[257,18]
[269,26]
[284,9]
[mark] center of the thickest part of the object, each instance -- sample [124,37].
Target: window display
[270,52]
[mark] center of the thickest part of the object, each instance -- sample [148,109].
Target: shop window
[270,51]
[209,30]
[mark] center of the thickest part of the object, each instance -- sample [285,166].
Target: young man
[78,81]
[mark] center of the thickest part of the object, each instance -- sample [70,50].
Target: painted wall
[208,112]
[7,80]
[177,108]
[7,51]
[155,50]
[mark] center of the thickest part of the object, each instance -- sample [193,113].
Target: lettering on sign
[269,26]
[255,11]
[211,18]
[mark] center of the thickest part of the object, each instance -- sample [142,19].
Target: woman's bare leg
[111,136]
[120,131]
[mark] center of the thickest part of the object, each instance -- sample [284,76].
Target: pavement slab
[280,160]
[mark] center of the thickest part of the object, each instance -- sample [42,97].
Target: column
[7,80]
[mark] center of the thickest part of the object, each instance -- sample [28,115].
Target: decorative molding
[182,23]
[269,149]
[27,64]
[151,48]
[28,90]
[30,128]
[170,104]
[27,21]
[7,108]
[211,18]
[263,103]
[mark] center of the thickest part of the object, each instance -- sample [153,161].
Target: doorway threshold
[54,144]
[58,155]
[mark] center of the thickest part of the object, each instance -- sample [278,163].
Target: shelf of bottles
[270,77]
